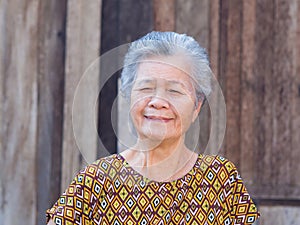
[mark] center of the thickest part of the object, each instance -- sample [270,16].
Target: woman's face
[163,99]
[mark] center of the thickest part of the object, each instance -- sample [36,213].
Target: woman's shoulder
[216,163]
[103,162]
[103,166]
[107,163]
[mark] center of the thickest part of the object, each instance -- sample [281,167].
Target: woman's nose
[158,102]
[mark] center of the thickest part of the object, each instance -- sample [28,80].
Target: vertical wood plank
[222,53]
[215,45]
[110,37]
[295,98]
[18,111]
[135,20]
[164,15]
[248,149]
[83,46]
[263,71]
[51,45]
[231,67]
[192,18]
[276,90]
[214,32]
[282,86]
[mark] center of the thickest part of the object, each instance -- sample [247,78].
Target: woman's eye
[175,91]
[146,89]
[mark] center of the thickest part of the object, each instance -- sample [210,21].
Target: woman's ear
[197,110]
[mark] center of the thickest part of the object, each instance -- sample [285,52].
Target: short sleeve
[243,209]
[77,203]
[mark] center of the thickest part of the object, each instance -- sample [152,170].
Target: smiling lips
[158,118]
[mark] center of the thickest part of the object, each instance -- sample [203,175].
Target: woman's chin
[155,137]
[158,136]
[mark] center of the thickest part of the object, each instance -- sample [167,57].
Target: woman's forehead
[168,68]
[175,62]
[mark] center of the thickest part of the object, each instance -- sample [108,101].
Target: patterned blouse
[109,191]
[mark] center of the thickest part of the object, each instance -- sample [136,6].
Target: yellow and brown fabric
[109,191]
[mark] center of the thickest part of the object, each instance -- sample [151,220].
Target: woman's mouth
[155,118]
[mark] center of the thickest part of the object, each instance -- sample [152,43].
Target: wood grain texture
[248,150]
[110,38]
[215,44]
[164,15]
[282,85]
[275,72]
[192,18]
[255,53]
[214,33]
[135,20]
[295,98]
[222,53]
[19,100]
[279,215]
[264,97]
[51,46]
[83,47]
[231,71]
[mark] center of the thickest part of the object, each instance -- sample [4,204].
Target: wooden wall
[32,86]
[45,47]
[255,54]
[82,49]
[40,68]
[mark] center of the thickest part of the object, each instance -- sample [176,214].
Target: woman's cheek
[137,111]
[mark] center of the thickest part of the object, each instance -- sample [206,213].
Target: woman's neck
[163,161]
[154,153]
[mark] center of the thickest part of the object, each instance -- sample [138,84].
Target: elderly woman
[159,180]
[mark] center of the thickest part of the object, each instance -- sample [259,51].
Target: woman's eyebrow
[175,82]
[141,82]
[144,81]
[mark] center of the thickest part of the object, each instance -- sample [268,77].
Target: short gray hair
[167,44]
